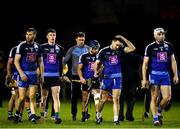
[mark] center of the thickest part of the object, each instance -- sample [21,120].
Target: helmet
[158,30]
[94,44]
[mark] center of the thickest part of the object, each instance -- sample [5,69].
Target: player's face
[94,50]
[80,41]
[160,37]
[51,37]
[116,44]
[30,36]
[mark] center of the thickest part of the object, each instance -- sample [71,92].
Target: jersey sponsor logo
[31,57]
[51,50]
[51,58]
[57,50]
[91,66]
[113,60]
[162,57]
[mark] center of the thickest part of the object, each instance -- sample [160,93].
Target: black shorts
[85,87]
[51,82]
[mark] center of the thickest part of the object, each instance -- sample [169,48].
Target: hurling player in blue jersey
[110,58]
[159,59]
[28,59]
[53,55]
[86,72]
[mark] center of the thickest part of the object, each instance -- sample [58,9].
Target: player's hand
[175,80]
[82,80]
[65,79]
[8,80]
[23,77]
[8,77]
[144,84]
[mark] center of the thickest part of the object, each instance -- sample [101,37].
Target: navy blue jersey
[12,55]
[88,61]
[29,56]
[111,60]
[52,57]
[159,55]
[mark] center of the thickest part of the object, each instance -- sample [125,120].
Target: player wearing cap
[159,59]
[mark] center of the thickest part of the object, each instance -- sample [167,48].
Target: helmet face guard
[94,44]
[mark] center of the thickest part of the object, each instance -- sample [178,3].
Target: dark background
[99,19]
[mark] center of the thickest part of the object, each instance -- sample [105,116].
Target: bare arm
[18,66]
[41,68]
[130,47]
[174,69]
[144,71]
[80,74]
[96,66]
[9,67]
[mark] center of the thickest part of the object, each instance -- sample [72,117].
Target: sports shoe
[98,121]
[73,118]
[58,120]
[88,116]
[16,119]
[101,119]
[129,118]
[160,119]
[33,120]
[116,122]
[37,117]
[11,118]
[121,118]
[146,114]
[156,123]
[83,119]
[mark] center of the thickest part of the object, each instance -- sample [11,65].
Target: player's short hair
[117,38]
[50,31]
[31,29]
[80,34]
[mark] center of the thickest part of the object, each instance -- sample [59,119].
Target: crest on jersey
[162,57]
[91,66]
[51,58]
[113,60]
[31,57]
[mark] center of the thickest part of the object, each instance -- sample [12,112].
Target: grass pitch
[171,119]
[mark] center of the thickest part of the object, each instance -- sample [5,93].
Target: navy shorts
[159,79]
[31,80]
[51,82]
[111,83]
